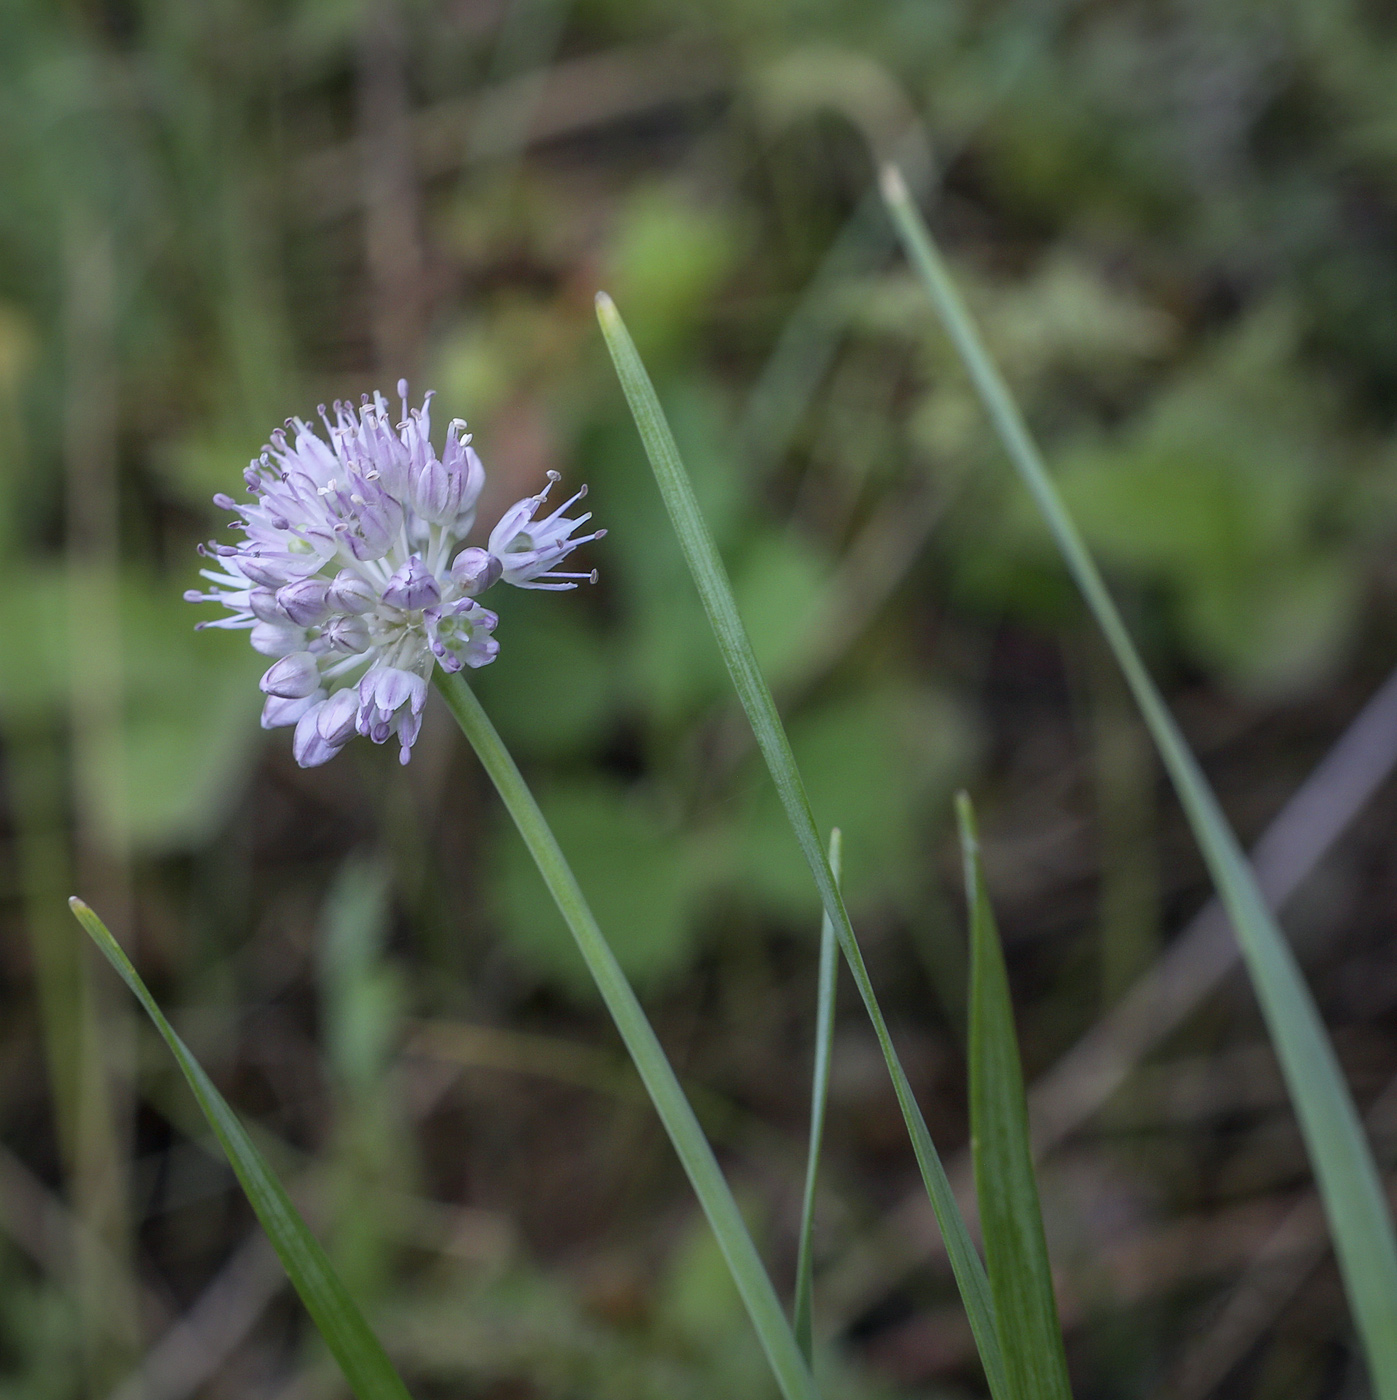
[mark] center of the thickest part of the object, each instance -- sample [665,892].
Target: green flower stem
[803,1312]
[753,1282]
[715,592]
[1348,1179]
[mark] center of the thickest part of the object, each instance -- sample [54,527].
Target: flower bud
[278,712]
[304,601]
[263,571]
[349,635]
[475,570]
[386,688]
[263,605]
[308,748]
[335,722]
[277,638]
[292,677]
[412,587]
[377,519]
[437,491]
[351,594]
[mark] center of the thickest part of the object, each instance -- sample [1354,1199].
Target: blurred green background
[1177,220]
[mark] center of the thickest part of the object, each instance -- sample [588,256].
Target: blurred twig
[193,1348]
[1282,1239]
[518,1052]
[1302,833]
[54,1238]
[869,573]
[1276,1272]
[392,217]
[571,1062]
[528,37]
[576,96]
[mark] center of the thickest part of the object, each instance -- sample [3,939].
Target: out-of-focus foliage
[1176,221]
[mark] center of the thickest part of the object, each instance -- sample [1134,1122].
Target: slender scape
[712,1189]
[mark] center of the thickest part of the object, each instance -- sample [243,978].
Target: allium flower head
[354,575]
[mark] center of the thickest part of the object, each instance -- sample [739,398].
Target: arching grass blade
[819,1096]
[711,1187]
[351,1342]
[715,592]
[1011,1221]
[1343,1164]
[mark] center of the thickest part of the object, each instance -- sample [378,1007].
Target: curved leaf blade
[803,1312]
[1349,1185]
[1011,1219]
[350,1339]
[715,592]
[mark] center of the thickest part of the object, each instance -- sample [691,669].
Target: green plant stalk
[352,1343]
[803,1312]
[753,1283]
[1348,1178]
[715,591]
[1011,1219]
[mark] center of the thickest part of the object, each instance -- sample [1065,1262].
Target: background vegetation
[1177,223]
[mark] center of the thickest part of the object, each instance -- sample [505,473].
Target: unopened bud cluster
[354,575]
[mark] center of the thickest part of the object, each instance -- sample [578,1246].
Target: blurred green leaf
[189,705]
[1224,492]
[371,1150]
[190,730]
[361,1000]
[779,585]
[698,1312]
[636,870]
[668,254]
[34,624]
[567,712]
[877,762]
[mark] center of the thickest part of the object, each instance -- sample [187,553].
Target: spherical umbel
[354,577]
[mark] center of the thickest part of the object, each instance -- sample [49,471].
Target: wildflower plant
[355,577]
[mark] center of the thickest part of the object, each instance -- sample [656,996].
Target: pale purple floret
[353,576]
[527,548]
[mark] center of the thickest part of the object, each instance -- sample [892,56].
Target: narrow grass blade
[361,1357]
[1011,1222]
[1348,1179]
[753,1282]
[819,1095]
[715,591]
